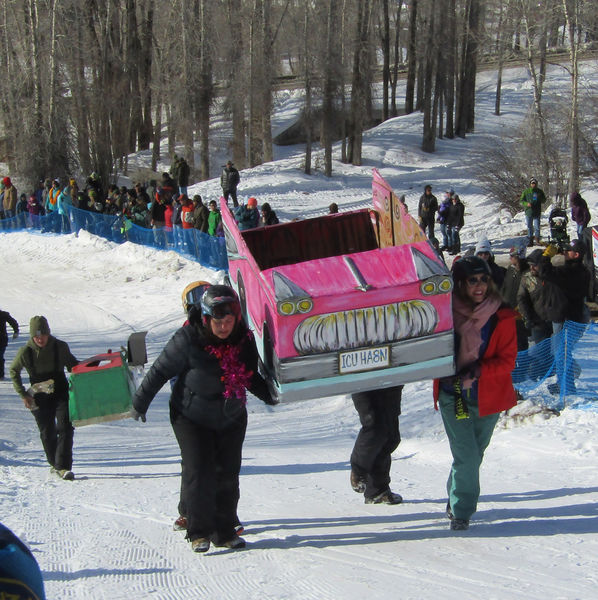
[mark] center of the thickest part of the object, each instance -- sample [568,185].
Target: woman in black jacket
[215,360]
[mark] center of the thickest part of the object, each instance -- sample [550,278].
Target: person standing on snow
[580,213]
[572,278]
[378,438]
[470,402]
[454,223]
[5,318]
[483,249]
[529,300]
[531,200]
[45,357]
[214,220]
[426,211]
[510,288]
[442,218]
[229,180]
[215,360]
[10,198]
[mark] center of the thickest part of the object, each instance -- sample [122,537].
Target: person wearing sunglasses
[470,401]
[215,361]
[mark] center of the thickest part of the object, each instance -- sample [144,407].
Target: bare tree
[359,84]
[411,59]
[529,23]
[331,83]
[465,113]
[571,9]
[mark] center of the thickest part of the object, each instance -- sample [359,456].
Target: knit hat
[483,245]
[576,246]
[38,325]
[252,202]
[7,182]
[518,251]
[535,256]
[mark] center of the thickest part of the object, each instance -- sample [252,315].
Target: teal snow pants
[468,439]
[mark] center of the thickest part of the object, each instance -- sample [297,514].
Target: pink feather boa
[235,374]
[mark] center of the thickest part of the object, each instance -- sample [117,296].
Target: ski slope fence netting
[207,250]
[561,370]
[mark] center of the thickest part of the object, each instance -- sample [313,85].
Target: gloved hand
[551,250]
[15,335]
[137,415]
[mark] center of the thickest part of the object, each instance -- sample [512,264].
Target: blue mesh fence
[208,250]
[561,370]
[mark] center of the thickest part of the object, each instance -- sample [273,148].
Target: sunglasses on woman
[477,280]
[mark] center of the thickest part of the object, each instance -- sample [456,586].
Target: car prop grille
[365,327]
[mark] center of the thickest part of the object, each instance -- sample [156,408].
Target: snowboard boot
[234,543]
[65,474]
[200,545]
[459,524]
[386,497]
[357,482]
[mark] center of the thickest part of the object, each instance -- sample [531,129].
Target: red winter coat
[187,216]
[495,386]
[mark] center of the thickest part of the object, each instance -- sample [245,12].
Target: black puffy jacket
[199,392]
[573,278]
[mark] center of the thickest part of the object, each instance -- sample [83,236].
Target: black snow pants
[55,429]
[379,436]
[211,465]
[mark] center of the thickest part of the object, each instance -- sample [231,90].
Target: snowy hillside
[108,534]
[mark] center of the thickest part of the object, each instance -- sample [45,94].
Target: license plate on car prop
[365,359]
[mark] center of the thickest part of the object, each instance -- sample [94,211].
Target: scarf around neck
[469,321]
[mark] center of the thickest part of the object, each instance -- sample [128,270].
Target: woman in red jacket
[471,401]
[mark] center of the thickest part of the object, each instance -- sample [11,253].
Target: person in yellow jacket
[10,198]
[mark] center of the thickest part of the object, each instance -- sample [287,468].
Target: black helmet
[470,265]
[218,301]
[577,246]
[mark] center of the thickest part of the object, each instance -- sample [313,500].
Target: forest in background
[87,83]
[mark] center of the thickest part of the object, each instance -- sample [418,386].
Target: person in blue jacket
[20,576]
[247,215]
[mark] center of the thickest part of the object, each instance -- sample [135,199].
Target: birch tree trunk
[571,9]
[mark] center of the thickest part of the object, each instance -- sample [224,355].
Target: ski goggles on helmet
[193,293]
[223,310]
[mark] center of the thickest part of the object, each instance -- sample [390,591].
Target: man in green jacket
[45,357]
[532,199]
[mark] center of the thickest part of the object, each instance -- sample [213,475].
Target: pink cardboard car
[345,302]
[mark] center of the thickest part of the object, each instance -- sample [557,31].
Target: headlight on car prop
[291,299]
[293,306]
[436,285]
